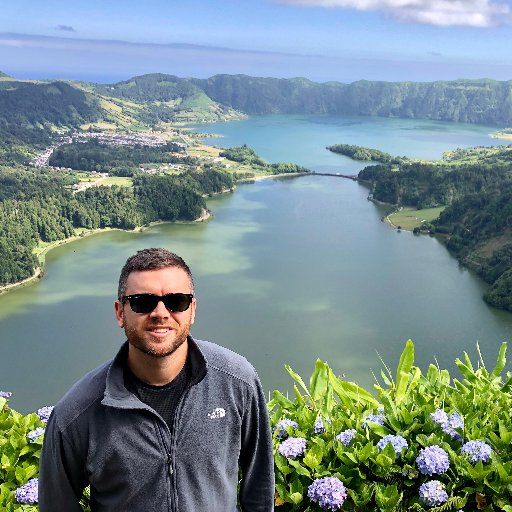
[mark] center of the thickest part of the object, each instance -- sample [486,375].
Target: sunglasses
[147,302]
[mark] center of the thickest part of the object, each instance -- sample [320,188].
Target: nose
[160,310]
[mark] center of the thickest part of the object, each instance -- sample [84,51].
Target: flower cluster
[375,418]
[346,436]
[35,434]
[282,425]
[432,460]
[433,493]
[398,443]
[44,413]
[292,447]
[319,427]
[5,394]
[449,423]
[27,494]
[477,451]
[328,492]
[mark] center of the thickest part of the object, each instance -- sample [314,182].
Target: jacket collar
[116,393]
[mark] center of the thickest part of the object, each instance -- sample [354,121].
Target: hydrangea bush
[421,442]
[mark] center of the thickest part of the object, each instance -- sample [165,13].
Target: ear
[118,308]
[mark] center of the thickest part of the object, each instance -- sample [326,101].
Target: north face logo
[217,413]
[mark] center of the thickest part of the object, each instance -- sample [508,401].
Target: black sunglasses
[147,302]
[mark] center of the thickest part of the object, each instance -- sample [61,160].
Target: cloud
[65,28]
[443,13]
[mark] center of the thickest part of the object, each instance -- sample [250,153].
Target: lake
[287,271]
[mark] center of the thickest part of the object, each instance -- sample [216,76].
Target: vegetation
[245,155]
[426,442]
[365,154]
[475,187]
[424,433]
[40,206]
[118,160]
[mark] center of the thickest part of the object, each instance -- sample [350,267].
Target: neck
[156,371]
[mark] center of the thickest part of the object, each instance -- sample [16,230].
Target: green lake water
[287,271]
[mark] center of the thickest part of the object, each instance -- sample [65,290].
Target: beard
[157,349]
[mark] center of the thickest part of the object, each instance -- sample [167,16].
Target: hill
[467,101]
[167,98]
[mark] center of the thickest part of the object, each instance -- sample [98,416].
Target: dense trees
[476,186]
[247,156]
[40,206]
[94,156]
[362,153]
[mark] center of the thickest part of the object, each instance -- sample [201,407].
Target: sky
[322,40]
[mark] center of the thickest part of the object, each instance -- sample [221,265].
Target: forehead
[159,282]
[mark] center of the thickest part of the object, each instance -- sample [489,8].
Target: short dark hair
[150,259]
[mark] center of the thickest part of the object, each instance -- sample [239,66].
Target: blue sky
[343,40]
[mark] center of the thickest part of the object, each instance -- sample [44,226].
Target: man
[171,424]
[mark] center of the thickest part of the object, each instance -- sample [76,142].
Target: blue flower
[292,447]
[440,417]
[398,443]
[329,492]
[477,451]
[27,494]
[433,493]
[375,418]
[346,436]
[319,427]
[432,460]
[5,394]
[34,435]
[282,425]
[44,413]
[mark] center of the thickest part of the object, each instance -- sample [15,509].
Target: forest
[40,206]
[475,185]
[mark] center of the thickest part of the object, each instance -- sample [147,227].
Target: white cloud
[444,13]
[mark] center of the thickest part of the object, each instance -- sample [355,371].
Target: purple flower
[346,436]
[319,427]
[34,435]
[292,447]
[432,460]
[440,417]
[282,425]
[328,492]
[27,494]
[448,424]
[433,493]
[375,418]
[477,451]
[44,413]
[5,394]
[398,443]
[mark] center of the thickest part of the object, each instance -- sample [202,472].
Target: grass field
[117,180]
[409,218]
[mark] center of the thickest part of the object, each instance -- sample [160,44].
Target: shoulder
[85,393]
[228,362]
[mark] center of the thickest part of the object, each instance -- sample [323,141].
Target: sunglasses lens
[174,302]
[143,303]
[177,302]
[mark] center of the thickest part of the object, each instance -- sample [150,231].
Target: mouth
[159,332]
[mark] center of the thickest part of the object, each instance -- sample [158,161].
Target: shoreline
[41,252]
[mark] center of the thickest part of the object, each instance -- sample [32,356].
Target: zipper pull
[169,463]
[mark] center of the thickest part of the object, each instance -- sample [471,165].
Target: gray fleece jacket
[101,435]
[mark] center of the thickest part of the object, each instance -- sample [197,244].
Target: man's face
[160,332]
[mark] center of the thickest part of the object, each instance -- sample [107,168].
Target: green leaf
[297,378]
[318,381]
[299,468]
[501,362]
[313,456]
[402,372]
[351,391]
